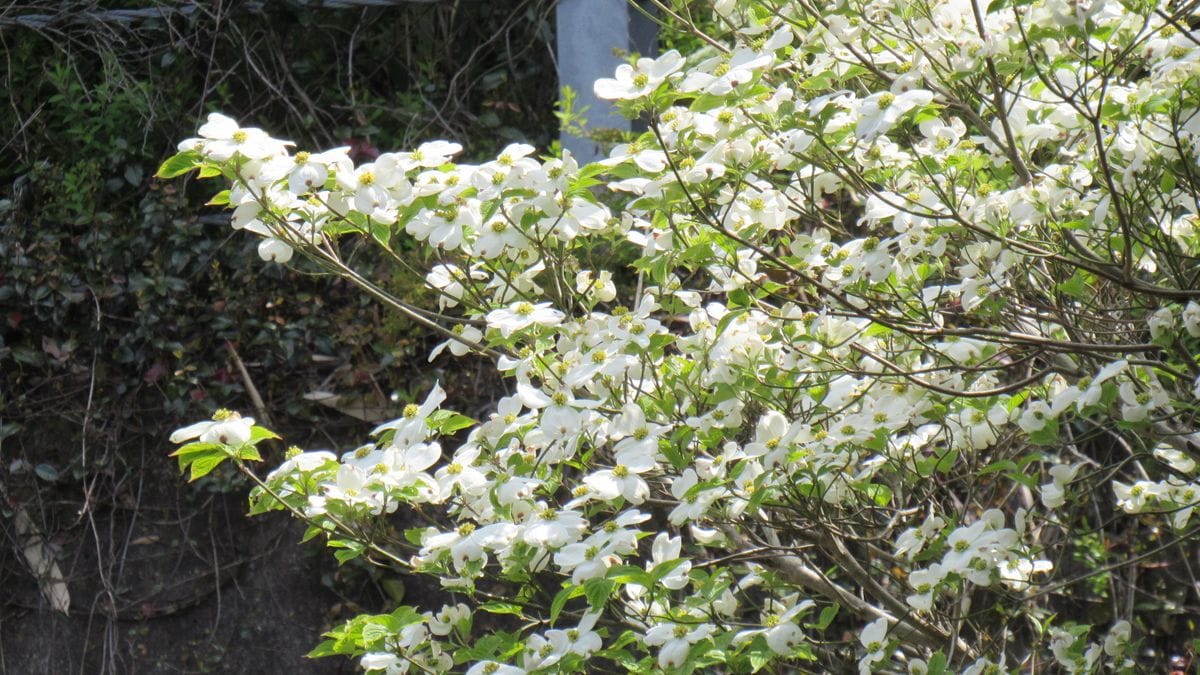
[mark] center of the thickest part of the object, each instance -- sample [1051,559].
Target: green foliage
[364,633]
[679,35]
[201,457]
[100,260]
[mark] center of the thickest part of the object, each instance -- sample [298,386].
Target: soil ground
[164,590]
[165,576]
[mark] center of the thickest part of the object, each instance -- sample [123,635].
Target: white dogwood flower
[638,80]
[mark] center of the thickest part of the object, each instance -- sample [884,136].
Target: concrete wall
[593,37]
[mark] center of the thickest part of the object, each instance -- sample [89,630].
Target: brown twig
[260,408]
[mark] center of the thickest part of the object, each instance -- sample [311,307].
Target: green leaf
[447,421]
[201,458]
[46,472]
[827,616]
[350,550]
[943,463]
[876,330]
[998,467]
[946,462]
[664,568]
[485,648]
[326,648]
[1079,285]
[179,164]
[628,574]
[1155,104]
[258,433]
[375,632]
[759,658]
[729,318]
[880,494]
[382,234]
[598,592]
[560,600]
[738,297]
[413,535]
[406,616]
[621,657]
[585,178]
[498,607]
[1167,182]
[925,113]
[819,82]
[192,450]
[938,664]
[9,429]
[1047,435]
[1017,399]
[204,465]
[879,441]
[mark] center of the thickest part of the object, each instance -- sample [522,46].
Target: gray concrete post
[592,36]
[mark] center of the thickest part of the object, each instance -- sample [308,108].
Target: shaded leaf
[179,164]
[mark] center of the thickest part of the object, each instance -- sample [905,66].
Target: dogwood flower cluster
[849,337]
[1075,654]
[1176,496]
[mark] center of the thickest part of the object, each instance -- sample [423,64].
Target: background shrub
[120,297]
